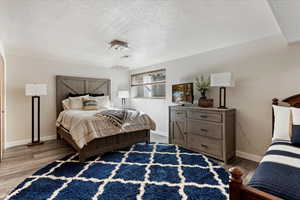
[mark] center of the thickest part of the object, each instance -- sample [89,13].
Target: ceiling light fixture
[125,56]
[118,45]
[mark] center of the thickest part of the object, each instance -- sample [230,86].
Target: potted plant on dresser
[203,85]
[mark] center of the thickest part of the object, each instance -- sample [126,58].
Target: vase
[207,103]
[203,95]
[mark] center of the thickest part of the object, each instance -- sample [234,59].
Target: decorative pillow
[295,138]
[90,104]
[103,101]
[76,102]
[282,125]
[66,104]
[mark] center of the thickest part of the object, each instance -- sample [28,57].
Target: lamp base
[35,143]
[222,105]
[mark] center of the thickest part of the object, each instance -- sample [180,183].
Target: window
[149,84]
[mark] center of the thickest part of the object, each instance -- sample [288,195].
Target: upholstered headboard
[79,85]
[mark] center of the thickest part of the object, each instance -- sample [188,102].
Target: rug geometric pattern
[142,171]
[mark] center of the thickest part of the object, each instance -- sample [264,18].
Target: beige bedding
[84,126]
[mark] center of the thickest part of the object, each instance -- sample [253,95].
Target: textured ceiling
[287,13]
[156,30]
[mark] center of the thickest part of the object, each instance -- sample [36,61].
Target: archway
[2,99]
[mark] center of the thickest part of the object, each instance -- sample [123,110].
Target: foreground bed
[277,176]
[80,85]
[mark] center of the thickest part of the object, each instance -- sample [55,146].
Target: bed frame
[81,85]
[239,191]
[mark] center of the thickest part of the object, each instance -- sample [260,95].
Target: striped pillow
[90,104]
[76,102]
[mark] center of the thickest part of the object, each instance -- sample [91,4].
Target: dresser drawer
[199,127]
[205,144]
[208,116]
[178,115]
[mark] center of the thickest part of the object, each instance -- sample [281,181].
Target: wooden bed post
[275,102]
[235,184]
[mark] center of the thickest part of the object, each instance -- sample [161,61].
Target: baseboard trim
[248,156]
[241,154]
[23,142]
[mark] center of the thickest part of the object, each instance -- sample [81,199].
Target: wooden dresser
[210,131]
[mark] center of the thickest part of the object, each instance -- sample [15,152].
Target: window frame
[151,83]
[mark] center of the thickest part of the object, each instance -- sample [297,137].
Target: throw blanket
[279,171]
[120,117]
[85,126]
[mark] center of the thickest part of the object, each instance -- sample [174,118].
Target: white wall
[264,69]
[22,70]
[1,49]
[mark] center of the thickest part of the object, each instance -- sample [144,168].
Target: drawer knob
[204,130]
[203,116]
[204,146]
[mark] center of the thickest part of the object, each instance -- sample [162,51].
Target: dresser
[210,131]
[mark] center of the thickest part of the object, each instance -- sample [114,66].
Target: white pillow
[76,102]
[296,116]
[282,124]
[66,104]
[103,101]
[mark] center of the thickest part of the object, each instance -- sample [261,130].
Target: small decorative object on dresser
[202,86]
[210,131]
[206,103]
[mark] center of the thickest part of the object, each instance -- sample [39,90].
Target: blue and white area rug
[153,171]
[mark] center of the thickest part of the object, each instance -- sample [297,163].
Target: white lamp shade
[222,80]
[35,89]
[123,94]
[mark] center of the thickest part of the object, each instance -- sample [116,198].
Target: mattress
[85,126]
[279,171]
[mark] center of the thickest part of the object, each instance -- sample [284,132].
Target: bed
[277,176]
[81,85]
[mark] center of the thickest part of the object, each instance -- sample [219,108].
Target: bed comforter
[279,171]
[85,126]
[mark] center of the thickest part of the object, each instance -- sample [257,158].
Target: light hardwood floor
[21,162]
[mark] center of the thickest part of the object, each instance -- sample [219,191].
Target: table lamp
[123,94]
[222,80]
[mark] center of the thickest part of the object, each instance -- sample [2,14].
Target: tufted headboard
[79,85]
